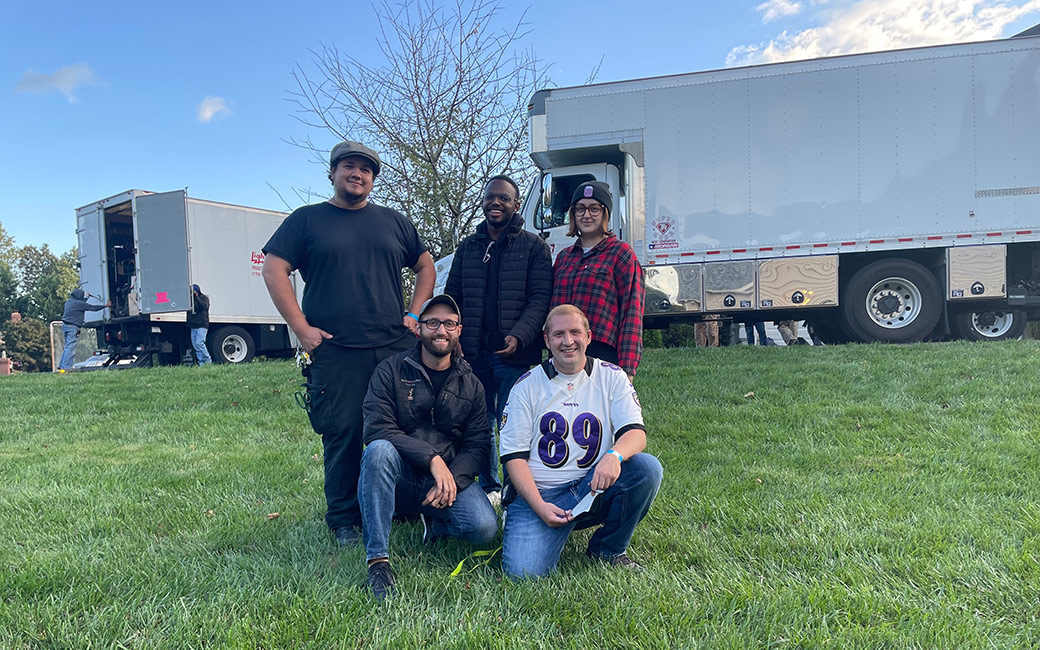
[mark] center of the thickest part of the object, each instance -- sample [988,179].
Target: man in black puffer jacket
[426,432]
[502,278]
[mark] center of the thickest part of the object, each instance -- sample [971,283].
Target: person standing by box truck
[198,321]
[350,253]
[72,321]
[600,275]
[501,278]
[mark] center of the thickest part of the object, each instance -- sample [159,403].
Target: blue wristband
[408,313]
[620,458]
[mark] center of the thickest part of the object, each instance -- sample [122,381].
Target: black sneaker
[620,561]
[381,580]
[347,535]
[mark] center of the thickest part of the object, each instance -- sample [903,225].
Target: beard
[428,345]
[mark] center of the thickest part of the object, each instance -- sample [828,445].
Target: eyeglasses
[433,324]
[593,210]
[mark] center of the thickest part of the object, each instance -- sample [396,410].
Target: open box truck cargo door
[162,252]
[90,228]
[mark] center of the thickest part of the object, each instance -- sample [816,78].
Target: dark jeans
[391,486]
[336,386]
[751,328]
[498,379]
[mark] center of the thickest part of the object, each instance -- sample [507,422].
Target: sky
[101,97]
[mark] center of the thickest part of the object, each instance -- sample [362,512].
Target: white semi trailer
[143,251]
[890,196]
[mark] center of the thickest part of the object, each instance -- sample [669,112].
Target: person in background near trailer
[502,277]
[350,253]
[71,323]
[789,332]
[706,332]
[573,426]
[600,275]
[760,327]
[198,321]
[427,438]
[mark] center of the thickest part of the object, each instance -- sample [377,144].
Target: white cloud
[212,108]
[65,80]
[852,26]
[777,9]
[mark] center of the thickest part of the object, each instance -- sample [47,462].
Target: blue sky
[97,98]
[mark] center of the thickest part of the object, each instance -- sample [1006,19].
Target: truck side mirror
[547,196]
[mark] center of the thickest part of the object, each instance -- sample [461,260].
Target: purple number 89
[552,446]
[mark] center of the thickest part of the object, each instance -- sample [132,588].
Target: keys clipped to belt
[303,362]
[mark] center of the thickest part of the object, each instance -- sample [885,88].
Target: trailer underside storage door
[90,226]
[162,252]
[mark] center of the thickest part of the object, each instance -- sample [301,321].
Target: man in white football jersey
[573,427]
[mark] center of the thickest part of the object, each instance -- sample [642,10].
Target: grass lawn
[838,497]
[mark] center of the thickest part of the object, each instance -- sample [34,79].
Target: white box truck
[144,250]
[890,196]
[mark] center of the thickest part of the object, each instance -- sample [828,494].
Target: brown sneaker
[621,561]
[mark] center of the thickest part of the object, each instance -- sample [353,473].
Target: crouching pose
[427,438]
[573,426]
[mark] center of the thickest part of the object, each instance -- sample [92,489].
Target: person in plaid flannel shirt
[600,275]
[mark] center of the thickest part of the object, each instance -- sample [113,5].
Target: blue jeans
[68,355]
[759,327]
[198,341]
[388,484]
[530,548]
[498,379]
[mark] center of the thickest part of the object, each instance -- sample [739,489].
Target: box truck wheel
[994,325]
[893,300]
[231,345]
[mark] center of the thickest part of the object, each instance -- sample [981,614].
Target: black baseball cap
[351,148]
[442,299]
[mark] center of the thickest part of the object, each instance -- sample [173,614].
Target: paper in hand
[585,504]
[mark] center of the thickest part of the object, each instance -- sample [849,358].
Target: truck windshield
[563,190]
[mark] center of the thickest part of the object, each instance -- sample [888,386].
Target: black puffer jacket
[525,288]
[400,407]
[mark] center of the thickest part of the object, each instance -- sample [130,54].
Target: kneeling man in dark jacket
[426,431]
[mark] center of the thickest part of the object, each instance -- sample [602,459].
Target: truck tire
[993,325]
[231,345]
[893,301]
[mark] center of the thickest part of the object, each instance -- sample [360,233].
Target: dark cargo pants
[336,386]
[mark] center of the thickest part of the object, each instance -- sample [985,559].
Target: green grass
[861,497]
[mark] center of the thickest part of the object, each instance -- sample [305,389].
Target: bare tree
[446,111]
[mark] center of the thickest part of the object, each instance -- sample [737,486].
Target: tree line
[34,284]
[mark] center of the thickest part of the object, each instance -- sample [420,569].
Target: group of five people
[407,404]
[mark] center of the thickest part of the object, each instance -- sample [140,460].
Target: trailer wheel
[994,325]
[231,345]
[894,301]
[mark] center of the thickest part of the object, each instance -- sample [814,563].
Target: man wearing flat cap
[427,438]
[350,253]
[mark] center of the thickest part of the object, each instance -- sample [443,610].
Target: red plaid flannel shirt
[607,284]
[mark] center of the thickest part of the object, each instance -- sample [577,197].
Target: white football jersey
[564,424]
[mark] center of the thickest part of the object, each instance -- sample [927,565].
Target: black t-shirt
[437,378]
[351,262]
[492,339]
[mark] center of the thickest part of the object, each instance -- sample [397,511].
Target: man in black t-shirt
[350,253]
